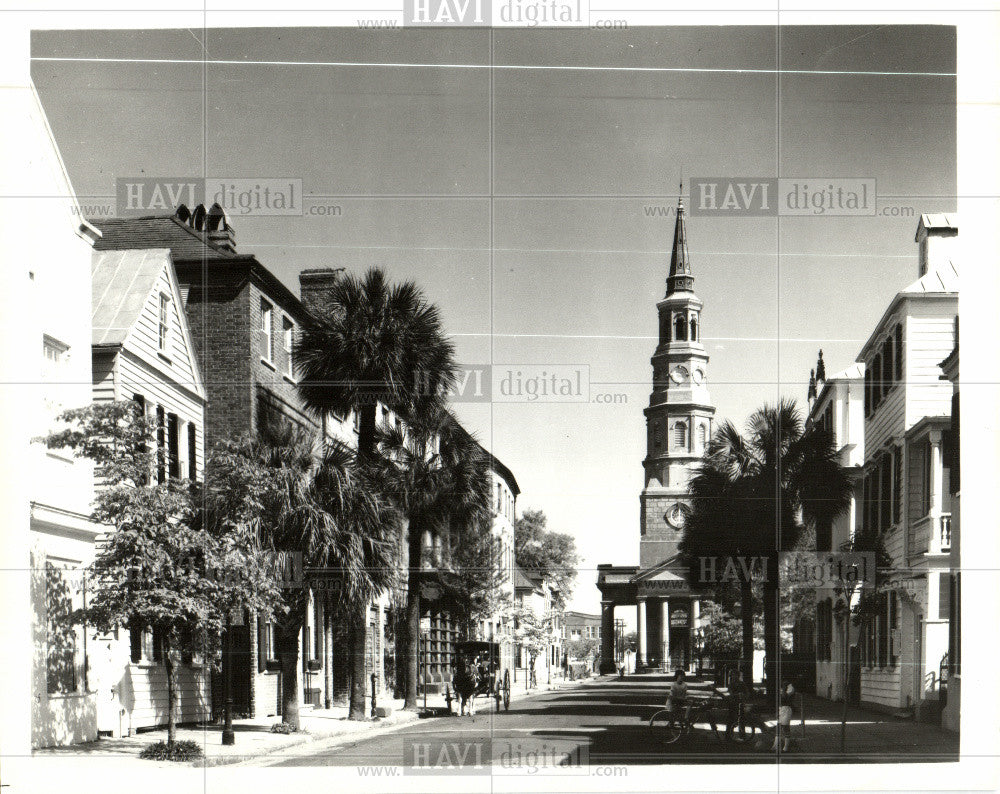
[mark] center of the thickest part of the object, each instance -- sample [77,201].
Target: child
[782,731]
[677,697]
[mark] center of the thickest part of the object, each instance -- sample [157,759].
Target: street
[603,723]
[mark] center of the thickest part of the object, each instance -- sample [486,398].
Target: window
[65,670]
[694,329]
[656,435]
[925,485]
[824,629]
[885,494]
[680,435]
[702,436]
[192,451]
[287,332]
[266,644]
[887,369]
[880,641]
[877,381]
[140,402]
[680,328]
[163,326]
[54,356]
[174,445]
[161,445]
[266,325]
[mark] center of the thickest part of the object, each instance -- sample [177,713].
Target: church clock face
[676,516]
[698,376]
[679,374]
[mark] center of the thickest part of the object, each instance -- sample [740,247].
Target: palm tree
[752,497]
[296,502]
[373,342]
[437,476]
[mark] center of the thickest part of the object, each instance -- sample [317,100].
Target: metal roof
[122,281]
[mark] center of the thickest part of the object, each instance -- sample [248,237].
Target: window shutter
[174,445]
[944,597]
[135,643]
[899,351]
[261,644]
[897,481]
[192,452]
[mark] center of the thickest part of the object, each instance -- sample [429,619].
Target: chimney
[217,229]
[316,284]
[937,235]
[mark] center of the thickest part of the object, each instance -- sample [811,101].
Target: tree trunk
[772,628]
[359,619]
[288,632]
[168,666]
[359,684]
[412,630]
[746,615]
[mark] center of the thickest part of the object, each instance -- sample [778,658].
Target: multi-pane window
[65,670]
[880,642]
[163,324]
[287,332]
[267,329]
[53,358]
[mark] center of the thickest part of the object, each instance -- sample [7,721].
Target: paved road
[603,722]
[596,722]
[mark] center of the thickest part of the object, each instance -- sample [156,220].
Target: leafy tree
[721,633]
[159,567]
[532,632]
[297,504]
[750,498]
[547,555]
[438,479]
[584,649]
[373,342]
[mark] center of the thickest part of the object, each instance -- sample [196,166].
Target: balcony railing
[945,532]
[930,535]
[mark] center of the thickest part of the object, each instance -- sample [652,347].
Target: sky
[523,200]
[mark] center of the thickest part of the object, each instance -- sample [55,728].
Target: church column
[607,637]
[640,632]
[665,637]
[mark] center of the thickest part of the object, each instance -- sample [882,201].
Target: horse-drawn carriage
[479,671]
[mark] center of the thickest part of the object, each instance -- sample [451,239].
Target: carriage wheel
[506,690]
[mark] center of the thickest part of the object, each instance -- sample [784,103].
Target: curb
[330,740]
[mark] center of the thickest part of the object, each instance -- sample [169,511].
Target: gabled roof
[668,570]
[524,582]
[159,231]
[936,220]
[122,281]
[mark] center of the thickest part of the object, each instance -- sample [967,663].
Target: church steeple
[680,278]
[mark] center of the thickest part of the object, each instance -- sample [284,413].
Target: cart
[493,681]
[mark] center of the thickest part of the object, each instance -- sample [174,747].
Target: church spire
[680,277]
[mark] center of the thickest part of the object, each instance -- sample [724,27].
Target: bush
[282,727]
[185,750]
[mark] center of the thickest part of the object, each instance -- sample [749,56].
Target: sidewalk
[254,740]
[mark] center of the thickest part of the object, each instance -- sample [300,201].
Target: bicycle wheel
[664,727]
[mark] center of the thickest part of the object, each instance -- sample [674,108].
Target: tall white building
[48,537]
[905,494]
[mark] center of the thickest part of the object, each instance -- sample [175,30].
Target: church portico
[679,421]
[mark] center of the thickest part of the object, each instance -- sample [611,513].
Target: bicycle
[669,727]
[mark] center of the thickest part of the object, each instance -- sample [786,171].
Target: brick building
[243,321]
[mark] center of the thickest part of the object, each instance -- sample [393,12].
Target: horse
[465,682]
